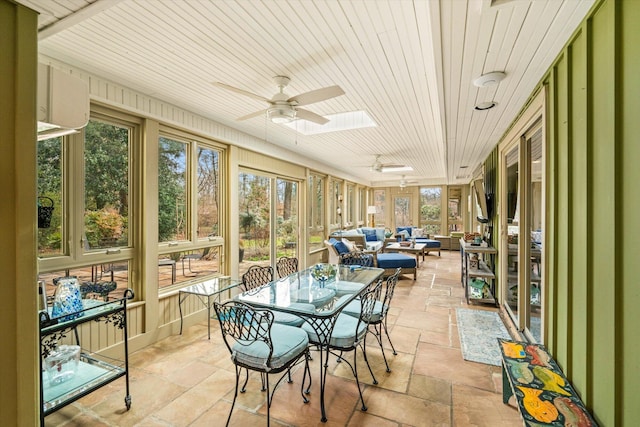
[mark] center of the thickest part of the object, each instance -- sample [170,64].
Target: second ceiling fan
[284,108]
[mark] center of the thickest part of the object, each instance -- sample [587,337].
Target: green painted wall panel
[602,199]
[627,241]
[579,251]
[561,183]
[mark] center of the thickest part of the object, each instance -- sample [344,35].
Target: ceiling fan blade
[312,117]
[316,95]
[252,115]
[241,92]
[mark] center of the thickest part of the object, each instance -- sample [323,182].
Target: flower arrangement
[323,272]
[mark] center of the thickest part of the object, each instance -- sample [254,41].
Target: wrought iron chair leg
[364,354]
[246,380]
[386,331]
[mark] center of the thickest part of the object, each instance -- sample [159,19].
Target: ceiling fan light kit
[281,114]
[489,79]
[284,109]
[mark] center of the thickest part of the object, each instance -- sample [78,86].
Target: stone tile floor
[187,380]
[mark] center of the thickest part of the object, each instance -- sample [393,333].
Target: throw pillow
[341,248]
[351,245]
[370,235]
[399,230]
[417,232]
[405,234]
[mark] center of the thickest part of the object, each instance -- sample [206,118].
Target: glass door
[254,210]
[511,223]
[268,219]
[402,211]
[535,193]
[287,218]
[522,224]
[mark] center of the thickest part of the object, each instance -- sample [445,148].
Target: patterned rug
[479,330]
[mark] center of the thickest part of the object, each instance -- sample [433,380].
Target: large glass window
[287,218]
[188,208]
[85,184]
[316,212]
[431,209]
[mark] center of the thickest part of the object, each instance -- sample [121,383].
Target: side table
[207,292]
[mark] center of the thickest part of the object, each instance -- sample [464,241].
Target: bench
[543,395]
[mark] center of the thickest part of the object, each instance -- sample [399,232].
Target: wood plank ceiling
[409,64]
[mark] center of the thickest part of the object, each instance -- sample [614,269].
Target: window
[50,197]
[379,202]
[86,179]
[455,209]
[188,207]
[316,212]
[336,206]
[431,209]
[362,206]
[351,205]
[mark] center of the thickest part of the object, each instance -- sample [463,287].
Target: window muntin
[431,209]
[316,211]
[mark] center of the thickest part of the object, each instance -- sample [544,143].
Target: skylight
[337,122]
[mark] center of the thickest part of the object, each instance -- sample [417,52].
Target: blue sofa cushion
[370,234]
[395,260]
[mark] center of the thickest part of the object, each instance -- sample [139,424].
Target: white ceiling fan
[378,166]
[284,108]
[404,182]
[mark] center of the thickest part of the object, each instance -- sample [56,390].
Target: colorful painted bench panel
[542,392]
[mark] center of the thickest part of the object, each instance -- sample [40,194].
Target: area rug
[479,330]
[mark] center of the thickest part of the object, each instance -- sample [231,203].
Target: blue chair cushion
[289,319]
[395,260]
[429,243]
[343,334]
[355,307]
[288,343]
[345,288]
[318,297]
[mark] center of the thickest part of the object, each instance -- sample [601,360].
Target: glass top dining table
[294,294]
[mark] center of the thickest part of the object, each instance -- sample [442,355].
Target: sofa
[409,233]
[387,261]
[366,238]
